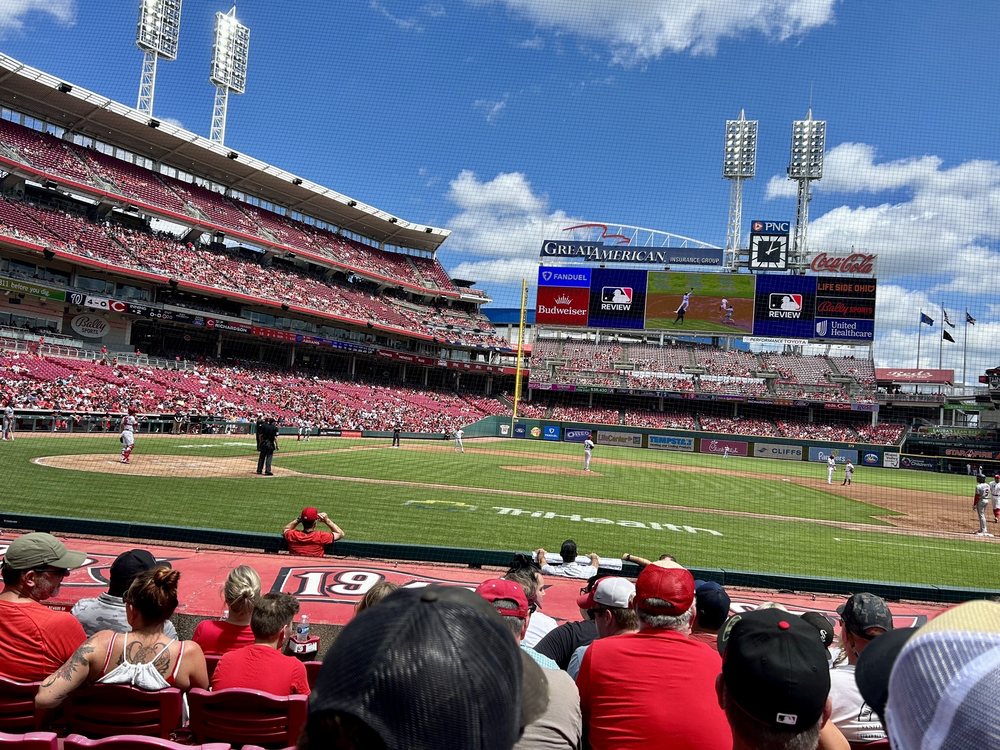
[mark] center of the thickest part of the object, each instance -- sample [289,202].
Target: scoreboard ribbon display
[818,308]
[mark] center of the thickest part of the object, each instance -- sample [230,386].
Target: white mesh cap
[944,685]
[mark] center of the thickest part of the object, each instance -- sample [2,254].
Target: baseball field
[665,290]
[708,511]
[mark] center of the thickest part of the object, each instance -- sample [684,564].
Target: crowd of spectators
[232,392]
[442,666]
[349,299]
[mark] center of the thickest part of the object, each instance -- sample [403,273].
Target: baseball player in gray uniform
[979,502]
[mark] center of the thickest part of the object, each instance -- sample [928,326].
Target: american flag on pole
[969,319]
[946,318]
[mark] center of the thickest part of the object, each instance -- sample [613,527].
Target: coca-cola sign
[861,264]
[90,326]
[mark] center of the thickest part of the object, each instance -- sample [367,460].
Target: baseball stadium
[196,343]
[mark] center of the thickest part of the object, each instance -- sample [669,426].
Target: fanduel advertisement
[617,298]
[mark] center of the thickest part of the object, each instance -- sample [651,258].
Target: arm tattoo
[79,659]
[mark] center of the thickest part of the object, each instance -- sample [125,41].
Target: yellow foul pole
[520,352]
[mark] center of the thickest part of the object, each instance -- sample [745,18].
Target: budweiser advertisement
[851,264]
[914,375]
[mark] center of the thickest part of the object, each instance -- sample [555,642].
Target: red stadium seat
[212,661]
[135,742]
[30,741]
[242,716]
[106,710]
[17,706]
[312,672]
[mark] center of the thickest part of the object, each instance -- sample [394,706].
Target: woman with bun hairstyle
[144,658]
[241,591]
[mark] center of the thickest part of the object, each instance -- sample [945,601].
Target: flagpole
[944,320]
[965,346]
[920,331]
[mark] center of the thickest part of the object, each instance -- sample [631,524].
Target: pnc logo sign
[770,227]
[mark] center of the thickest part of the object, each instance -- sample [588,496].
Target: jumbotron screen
[826,308]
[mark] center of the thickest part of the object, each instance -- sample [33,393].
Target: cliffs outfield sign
[598,252]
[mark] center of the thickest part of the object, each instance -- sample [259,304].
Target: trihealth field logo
[616,298]
[782,305]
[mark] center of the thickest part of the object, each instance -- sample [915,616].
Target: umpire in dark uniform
[267,444]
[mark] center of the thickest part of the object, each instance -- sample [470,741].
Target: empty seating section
[49,154]
[862,370]
[796,369]
[733,362]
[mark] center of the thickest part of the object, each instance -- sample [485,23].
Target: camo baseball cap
[37,549]
[865,611]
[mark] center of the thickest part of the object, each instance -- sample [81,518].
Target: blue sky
[505,120]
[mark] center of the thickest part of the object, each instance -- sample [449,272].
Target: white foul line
[918,546]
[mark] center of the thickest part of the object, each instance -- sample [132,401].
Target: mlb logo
[787,719]
[787,302]
[617,294]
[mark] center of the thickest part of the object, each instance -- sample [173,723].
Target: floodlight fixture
[808,146]
[157,36]
[297,181]
[230,55]
[739,163]
[805,165]
[64,87]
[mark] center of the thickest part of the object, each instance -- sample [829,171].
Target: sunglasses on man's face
[58,572]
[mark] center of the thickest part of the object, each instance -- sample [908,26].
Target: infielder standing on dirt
[127,436]
[979,502]
[995,497]
[848,473]
[588,449]
[831,466]
[8,421]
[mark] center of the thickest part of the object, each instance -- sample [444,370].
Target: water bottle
[302,630]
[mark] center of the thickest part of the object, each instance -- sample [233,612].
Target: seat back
[243,717]
[877,745]
[134,742]
[17,706]
[312,672]
[106,710]
[212,661]
[30,741]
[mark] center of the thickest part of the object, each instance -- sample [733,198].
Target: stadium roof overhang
[36,93]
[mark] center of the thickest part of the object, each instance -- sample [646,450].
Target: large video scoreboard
[836,309]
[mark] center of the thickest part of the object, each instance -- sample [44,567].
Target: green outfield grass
[480,499]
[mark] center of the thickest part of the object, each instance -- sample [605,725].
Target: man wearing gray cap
[863,618]
[35,640]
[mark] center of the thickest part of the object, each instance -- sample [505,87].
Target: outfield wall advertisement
[774,306]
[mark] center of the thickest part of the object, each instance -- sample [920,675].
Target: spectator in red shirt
[35,640]
[241,592]
[309,541]
[656,687]
[261,665]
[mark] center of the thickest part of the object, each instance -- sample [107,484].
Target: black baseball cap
[822,623]
[711,603]
[127,566]
[431,668]
[775,669]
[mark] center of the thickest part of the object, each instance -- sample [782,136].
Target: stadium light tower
[157,35]
[230,54]
[738,164]
[804,166]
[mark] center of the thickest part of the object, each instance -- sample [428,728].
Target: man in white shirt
[569,567]
[995,497]
[588,450]
[831,466]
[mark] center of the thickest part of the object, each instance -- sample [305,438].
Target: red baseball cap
[500,588]
[667,581]
[309,514]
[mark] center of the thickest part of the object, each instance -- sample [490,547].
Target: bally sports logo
[616,298]
[781,305]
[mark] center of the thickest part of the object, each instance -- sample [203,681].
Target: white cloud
[644,31]
[13,13]
[535,42]
[942,224]
[491,108]
[406,24]
[434,10]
